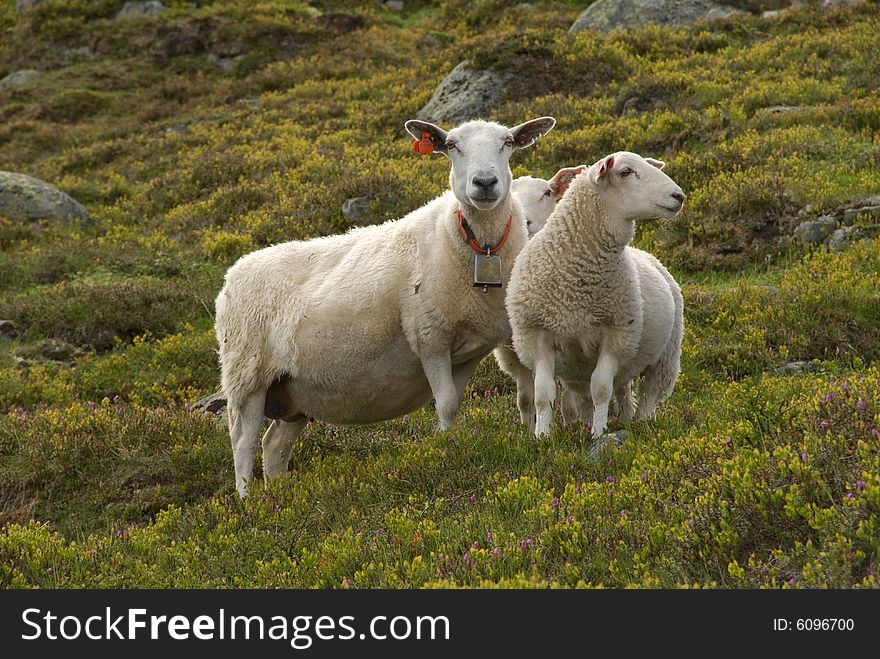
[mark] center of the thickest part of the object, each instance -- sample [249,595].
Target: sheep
[538,198]
[577,291]
[370,325]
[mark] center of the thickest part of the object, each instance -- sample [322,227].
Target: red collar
[467,235]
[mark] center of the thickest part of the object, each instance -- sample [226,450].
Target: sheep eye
[528,223]
[509,142]
[546,193]
[450,145]
[626,171]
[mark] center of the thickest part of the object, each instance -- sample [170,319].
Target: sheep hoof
[614,439]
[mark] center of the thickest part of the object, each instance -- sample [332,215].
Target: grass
[750,476]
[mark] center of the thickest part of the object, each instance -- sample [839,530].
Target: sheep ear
[600,170]
[437,135]
[659,164]
[563,178]
[525,134]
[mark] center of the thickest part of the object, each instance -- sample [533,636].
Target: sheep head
[635,187]
[480,152]
[538,197]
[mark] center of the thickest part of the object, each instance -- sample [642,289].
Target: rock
[181,40]
[842,237]
[849,215]
[7,330]
[608,15]
[26,199]
[60,351]
[607,440]
[777,110]
[525,6]
[134,10]
[834,4]
[430,41]
[225,63]
[815,232]
[337,23]
[355,209]
[18,78]
[464,94]
[394,5]
[23,5]
[728,247]
[215,403]
[795,367]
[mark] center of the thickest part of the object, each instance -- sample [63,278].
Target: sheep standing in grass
[369,325]
[577,291]
[538,198]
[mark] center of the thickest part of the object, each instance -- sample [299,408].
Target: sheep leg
[649,395]
[277,445]
[244,430]
[545,384]
[573,404]
[438,370]
[461,373]
[525,384]
[601,388]
[626,404]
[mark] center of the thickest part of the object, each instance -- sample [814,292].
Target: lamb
[538,198]
[576,291]
[369,325]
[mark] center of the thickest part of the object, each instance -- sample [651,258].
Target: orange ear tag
[423,146]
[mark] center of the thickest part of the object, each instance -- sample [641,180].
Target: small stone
[842,237]
[215,403]
[7,330]
[225,63]
[849,215]
[337,23]
[778,110]
[607,440]
[815,232]
[394,5]
[18,78]
[355,209]
[60,351]
[23,5]
[134,10]
[795,367]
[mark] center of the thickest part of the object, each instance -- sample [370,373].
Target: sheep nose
[678,196]
[484,181]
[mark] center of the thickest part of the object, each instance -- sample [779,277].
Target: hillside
[221,126]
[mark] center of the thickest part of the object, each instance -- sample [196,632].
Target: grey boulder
[608,15]
[27,199]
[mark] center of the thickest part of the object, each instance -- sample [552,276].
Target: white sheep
[369,325]
[576,298]
[538,199]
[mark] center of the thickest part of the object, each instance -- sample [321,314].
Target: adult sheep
[369,325]
[577,291]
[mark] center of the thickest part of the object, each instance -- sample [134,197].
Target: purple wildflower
[555,502]
[346,582]
[497,551]
[117,398]
[860,405]
[569,519]
[850,495]
[92,405]
[644,476]
[380,531]
[468,560]
[609,479]
[805,456]
[488,536]
[524,545]
[823,425]
[121,533]
[473,498]
[860,485]
[827,398]
[371,435]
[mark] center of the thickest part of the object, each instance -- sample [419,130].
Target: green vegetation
[752,475]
